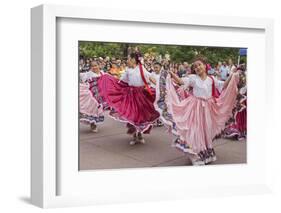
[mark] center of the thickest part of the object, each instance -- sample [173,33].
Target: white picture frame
[45,152]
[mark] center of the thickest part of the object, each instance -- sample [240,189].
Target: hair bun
[137,56]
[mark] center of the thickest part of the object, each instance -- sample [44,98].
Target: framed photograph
[131,106]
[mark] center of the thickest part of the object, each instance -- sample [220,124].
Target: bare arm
[152,80]
[177,79]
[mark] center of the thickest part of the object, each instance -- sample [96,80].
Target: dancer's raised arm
[177,79]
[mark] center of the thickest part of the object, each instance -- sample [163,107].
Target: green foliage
[177,53]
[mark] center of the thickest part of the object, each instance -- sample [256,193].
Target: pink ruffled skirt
[90,110]
[199,120]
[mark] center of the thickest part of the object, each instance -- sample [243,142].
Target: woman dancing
[202,114]
[131,98]
[91,104]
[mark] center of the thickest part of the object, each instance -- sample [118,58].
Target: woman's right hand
[171,73]
[176,78]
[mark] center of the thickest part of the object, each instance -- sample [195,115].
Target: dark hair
[96,62]
[241,67]
[200,58]
[136,56]
[192,69]
[157,63]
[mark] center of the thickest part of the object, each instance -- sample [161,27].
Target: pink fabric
[133,104]
[199,120]
[182,93]
[88,104]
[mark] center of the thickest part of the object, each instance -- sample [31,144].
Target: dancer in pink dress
[237,125]
[91,105]
[131,98]
[202,115]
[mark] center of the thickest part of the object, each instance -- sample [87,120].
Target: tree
[178,53]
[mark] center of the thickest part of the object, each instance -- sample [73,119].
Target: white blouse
[156,77]
[202,88]
[133,76]
[89,75]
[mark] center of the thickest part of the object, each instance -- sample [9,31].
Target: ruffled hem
[89,106]
[88,119]
[205,156]
[143,128]
[129,104]
[160,103]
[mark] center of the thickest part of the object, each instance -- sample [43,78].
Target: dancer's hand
[172,73]
[236,74]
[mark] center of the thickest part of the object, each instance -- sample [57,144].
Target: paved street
[109,148]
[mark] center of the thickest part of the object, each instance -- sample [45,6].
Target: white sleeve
[83,77]
[147,75]
[188,81]
[218,84]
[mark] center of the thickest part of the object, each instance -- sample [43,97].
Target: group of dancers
[195,108]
